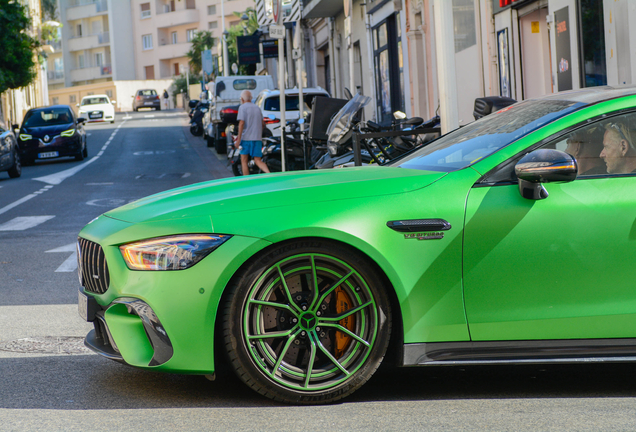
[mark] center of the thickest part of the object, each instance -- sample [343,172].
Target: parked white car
[269,102]
[97,108]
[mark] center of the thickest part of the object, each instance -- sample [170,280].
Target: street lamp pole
[226,60]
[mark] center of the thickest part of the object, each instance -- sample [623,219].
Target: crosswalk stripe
[24,222]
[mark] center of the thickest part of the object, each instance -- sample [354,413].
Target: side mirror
[113,102]
[544,166]
[81,120]
[77,105]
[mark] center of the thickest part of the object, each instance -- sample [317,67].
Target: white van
[225,92]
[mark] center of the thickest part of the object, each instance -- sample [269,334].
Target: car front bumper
[63,146]
[160,320]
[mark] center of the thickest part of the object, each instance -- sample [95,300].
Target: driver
[618,149]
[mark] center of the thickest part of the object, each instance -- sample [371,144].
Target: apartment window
[172,8]
[72,99]
[145,10]
[79,31]
[176,69]
[109,93]
[190,4]
[174,37]
[80,61]
[213,25]
[190,33]
[212,10]
[150,72]
[99,59]
[58,64]
[147,41]
[55,101]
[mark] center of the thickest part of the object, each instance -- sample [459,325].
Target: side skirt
[520,352]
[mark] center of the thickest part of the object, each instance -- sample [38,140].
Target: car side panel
[425,274]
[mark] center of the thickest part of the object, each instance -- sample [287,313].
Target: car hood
[96,107]
[53,130]
[275,190]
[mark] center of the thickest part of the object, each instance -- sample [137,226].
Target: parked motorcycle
[196,120]
[233,154]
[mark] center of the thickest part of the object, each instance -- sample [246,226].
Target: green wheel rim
[310,322]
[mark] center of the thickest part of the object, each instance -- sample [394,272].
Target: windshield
[341,122]
[475,141]
[147,93]
[94,101]
[48,117]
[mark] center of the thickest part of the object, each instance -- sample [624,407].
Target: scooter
[196,120]
[233,154]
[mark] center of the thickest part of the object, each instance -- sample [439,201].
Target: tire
[80,155]
[220,146]
[209,140]
[237,169]
[321,353]
[85,152]
[195,129]
[16,170]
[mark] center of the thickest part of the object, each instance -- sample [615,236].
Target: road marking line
[149,116]
[71,247]
[69,265]
[16,203]
[24,222]
[99,184]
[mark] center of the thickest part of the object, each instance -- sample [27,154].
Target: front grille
[92,267]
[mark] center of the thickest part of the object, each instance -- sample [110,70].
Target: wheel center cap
[308,321]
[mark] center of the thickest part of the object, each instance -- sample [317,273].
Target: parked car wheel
[16,170]
[307,322]
[80,156]
[85,152]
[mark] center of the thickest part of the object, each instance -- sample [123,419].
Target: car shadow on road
[88,382]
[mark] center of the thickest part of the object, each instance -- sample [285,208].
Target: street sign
[247,47]
[276,10]
[206,57]
[277,31]
[270,48]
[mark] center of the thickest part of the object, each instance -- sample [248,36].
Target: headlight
[25,137]
[170,253]
[68,133]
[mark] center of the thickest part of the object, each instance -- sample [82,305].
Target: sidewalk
[215,163]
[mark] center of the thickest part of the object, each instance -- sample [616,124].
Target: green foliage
[49,10]
[234,32]
[17,68]
[202,40]
[179,85]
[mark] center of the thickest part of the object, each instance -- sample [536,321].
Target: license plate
[148,103]
[82,305]
[48,155]
[95,115]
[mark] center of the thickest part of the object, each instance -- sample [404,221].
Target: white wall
[620,41]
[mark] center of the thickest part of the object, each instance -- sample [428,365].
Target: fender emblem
[425,236]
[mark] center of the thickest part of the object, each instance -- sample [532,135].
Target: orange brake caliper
[343,304]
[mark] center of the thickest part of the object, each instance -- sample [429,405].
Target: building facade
[163,30]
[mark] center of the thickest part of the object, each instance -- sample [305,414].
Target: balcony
[171,51]
[176,18]
[55,77]
[91,73]
[88,42]
[321,8]
[80,9]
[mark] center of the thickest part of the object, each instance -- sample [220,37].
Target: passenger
[618,149]
[585,147]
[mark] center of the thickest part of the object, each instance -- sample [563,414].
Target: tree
[17,68]
[238,30]
[202,40]
[179,85]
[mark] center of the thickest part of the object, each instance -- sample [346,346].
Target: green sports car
[509,240]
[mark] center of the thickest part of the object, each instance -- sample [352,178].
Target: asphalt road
[49,382]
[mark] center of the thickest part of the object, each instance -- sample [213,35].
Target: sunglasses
[619,127]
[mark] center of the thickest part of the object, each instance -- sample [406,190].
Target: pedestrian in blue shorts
[250,133]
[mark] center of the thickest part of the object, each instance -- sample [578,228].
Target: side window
[244,84]
[604,147]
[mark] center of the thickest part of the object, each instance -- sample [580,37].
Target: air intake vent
[92,267]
